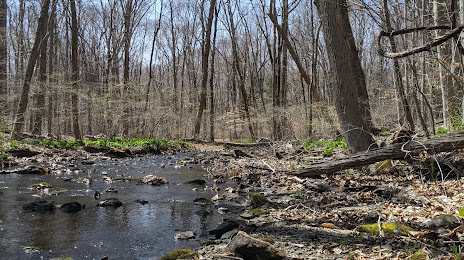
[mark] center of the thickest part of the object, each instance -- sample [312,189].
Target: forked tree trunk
[204,63]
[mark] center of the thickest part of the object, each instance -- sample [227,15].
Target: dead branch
[425,47]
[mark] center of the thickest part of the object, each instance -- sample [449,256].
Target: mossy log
[400,151]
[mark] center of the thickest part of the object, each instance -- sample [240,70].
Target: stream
[132,231]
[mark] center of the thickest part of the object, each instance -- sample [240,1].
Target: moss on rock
[389,229]
[258,200]
[181,254]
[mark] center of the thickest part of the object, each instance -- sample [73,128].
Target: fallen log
[400,151]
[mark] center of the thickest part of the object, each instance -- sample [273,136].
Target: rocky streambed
[88,208]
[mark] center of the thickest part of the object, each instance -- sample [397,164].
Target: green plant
[117,142]
[329,145]
[298,194]
[457,252]
[14,144]
[441,131]
[293,166]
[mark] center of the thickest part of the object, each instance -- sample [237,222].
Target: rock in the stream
[154,180]
[223,228]
[198,182]
[111,202]
[31,169]
[141,201]
[184,235]
[71,207]
[40,206]
[202,213]
[88,162]
[254,249]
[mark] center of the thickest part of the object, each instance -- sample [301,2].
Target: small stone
[184,235]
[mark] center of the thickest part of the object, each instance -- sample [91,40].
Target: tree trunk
[440,17]
[126,90]
[74,72]
[396,71]
[211,83]
[24,99]
[241,80]
[206,46]
[338,37]
[3,60]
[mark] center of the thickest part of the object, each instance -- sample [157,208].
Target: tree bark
[338,37]
[74,72]
[24,99]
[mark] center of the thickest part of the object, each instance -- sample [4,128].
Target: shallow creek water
[133,231]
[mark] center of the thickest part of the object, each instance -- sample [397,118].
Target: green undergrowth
[117,142]
[329,145]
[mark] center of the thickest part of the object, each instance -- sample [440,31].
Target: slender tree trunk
[241,79]
[440,18]
[51,58]
[338,37]
[24,99]
[3,60]
[397,71]
[211,82]
[126,95]
[206,46]
[74,72]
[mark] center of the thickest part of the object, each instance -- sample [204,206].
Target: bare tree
[39,37]
[206,46]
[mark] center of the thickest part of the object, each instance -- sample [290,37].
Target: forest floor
[417,204]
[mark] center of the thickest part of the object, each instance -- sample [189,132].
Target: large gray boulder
[254,249]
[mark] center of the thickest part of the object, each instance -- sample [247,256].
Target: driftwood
[401,151]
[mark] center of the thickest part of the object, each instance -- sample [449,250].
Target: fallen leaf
[328,225]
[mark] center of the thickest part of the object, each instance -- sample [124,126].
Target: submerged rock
[154,180]
[198,182]
[223,228]
[71,207]
[141,201]
[254,249]
[111,202]
[40,206]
